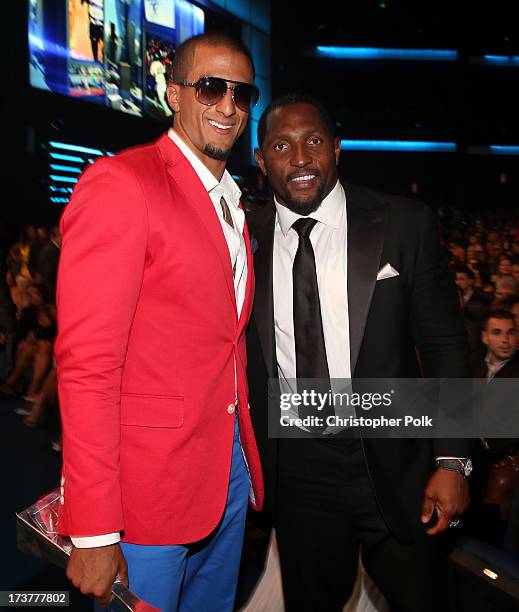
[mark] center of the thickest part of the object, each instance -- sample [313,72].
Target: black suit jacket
[389,320]
[476,308]
[509,370]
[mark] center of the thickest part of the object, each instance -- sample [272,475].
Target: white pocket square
[387,271]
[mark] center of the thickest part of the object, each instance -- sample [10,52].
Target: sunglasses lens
[210,90]
[245,96]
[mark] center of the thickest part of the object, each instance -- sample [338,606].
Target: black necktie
[311,359]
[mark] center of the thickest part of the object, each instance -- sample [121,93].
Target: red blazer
[148,337]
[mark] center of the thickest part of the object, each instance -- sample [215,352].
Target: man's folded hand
[93,571]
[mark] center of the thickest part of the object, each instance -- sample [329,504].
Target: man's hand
[448,493]
[93,570]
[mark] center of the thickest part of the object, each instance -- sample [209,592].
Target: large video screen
[117,53]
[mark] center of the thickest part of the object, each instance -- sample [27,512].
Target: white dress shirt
[330,243]
[227,188]
[329,239]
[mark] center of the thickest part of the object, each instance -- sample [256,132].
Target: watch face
[468,467]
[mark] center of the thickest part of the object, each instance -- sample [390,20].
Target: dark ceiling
[410,100]
[470,26]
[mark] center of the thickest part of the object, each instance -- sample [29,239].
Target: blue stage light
[71,158]
[375,53]
[501,60]
[66,168]
[62,179]
[77,148]
[504,150]
[398,145]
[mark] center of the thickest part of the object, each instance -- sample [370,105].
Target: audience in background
[495,482]
[504,287]
[28,322]
[499,335]
[37,327]
[42,238]
[8,323]
[47,270]
[473,304]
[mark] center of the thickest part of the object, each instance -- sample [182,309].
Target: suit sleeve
[100,275]
[437,321]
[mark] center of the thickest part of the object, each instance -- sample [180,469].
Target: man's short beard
[219,154]
[304,208]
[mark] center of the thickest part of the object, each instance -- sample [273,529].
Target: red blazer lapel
[182,172]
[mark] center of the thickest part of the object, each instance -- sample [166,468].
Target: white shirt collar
[330,212]
[227,185]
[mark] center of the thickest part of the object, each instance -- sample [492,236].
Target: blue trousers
[199,577]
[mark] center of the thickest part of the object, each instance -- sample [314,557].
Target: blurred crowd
[484,257]
[28,323]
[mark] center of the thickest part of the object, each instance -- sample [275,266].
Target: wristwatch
[462,466]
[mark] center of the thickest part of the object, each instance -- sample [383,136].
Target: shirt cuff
[96,541]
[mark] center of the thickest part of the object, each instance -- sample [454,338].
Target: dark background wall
[411,100]
[472,105]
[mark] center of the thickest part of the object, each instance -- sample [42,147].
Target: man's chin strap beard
[304,209]
[219,154]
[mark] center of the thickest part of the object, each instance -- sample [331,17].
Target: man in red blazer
[155,290]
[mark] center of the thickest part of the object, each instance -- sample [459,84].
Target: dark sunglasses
[210,90]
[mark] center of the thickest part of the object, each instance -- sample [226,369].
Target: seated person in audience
[18,283]
[457,252]
[493,485]
[48,264]
[493,251]
[478,252]
[514,309]
[39,242]
[504,267]
[482,280]
[8,324]
[38,329]
[499,336]
[505,286]
[474,306]
[515,271]
[43,399]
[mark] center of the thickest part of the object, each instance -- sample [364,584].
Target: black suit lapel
[366,228]
[510,369]
[263,311]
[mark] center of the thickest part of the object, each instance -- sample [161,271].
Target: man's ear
[173,91]
[484,337]
[258,156]
[337,148]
